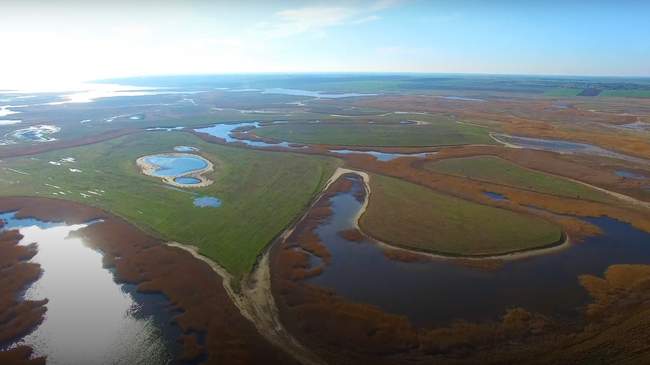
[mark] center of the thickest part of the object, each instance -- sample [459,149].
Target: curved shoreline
[562,244]
[150,169]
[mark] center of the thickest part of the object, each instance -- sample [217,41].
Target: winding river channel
[437,291]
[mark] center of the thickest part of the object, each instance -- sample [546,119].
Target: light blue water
[185,149]
[381,156]
[207,202]
[630,175]
[224,131]
[461,98]
[313,94]
[175,166]
[187,180]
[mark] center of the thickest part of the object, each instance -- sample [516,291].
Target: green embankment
[496,170]
[261,192]
[439,132]
[409,215]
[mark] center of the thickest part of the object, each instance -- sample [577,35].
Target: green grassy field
[439,132]
[560,92]
[409,215]
[627,93]
[261,192]
[496,170]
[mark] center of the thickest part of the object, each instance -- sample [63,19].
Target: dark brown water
[439,291]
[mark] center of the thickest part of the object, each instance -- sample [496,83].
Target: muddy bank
[347,332]
[213,329]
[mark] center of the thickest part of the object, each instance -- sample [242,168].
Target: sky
[53,42]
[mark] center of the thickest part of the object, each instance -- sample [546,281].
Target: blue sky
[62,41]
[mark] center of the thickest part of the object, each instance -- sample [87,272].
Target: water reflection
[439,291]
[90,319]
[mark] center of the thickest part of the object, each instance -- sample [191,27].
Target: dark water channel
[439,291]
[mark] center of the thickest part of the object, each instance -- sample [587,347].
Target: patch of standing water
[207,202]
[186,180]
[165,129]
[36,133]
[460,98]
[495,196]
[90,319]
[314,94]
[437,291]
[383,156]
[629,175]
[185,149]
[175,165]
[561,146]
[224,131]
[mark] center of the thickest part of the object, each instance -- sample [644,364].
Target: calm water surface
[175,165]
[561,146]
[225,131]
[90,319]
[382,156]
[207,202]
[439,291]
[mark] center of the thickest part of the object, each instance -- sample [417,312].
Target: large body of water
[90,319]
[170,165]
[436,292]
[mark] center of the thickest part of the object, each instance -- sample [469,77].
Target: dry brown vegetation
[527,117]
[17,316]
[344,332]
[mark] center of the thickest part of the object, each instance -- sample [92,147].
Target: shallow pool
[382,156]
[561,146]
[169,165]
[187,180]
[207,202]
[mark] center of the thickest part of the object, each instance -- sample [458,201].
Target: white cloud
[369,18]
[316,19]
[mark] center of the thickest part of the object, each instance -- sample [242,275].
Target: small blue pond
[381,156]
[168,165]
[185,149]
[495,196]
[187,180]
[630,175]
[207,202]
